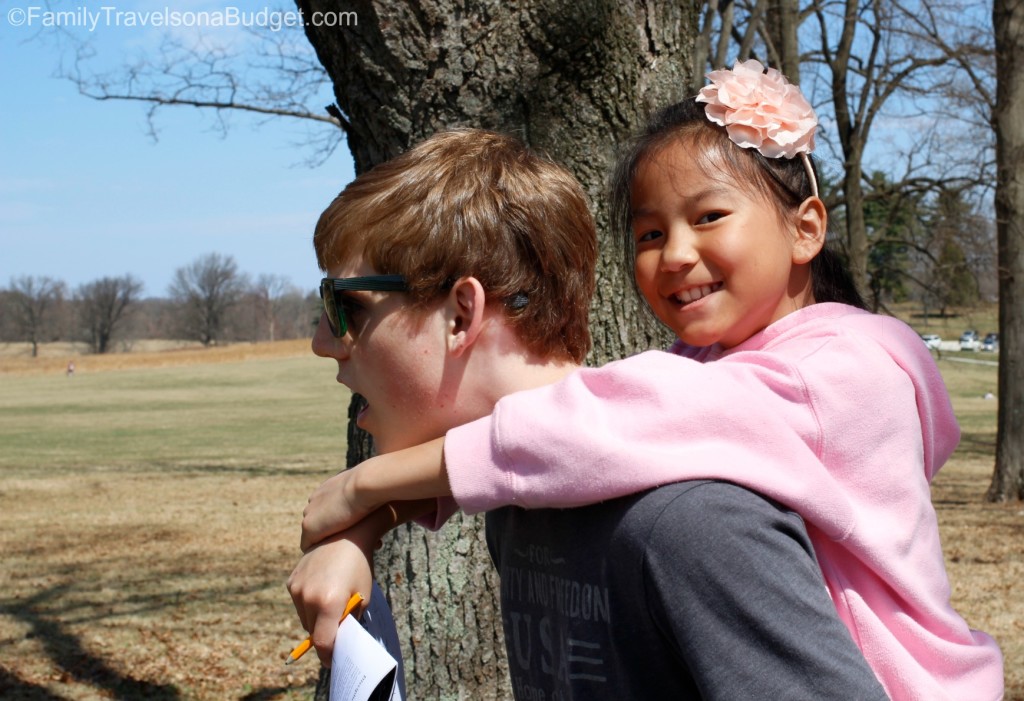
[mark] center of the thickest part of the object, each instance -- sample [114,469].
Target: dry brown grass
[158,578]
[984,559]
[161,585]
[16,358]
[134,580]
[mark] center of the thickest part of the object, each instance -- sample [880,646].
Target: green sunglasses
[335,306]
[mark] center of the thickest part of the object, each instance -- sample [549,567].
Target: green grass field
[270,412]
[149,518]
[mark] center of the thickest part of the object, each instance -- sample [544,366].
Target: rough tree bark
[1008,118]
[572,78]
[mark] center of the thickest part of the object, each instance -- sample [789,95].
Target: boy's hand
[332,571]
[404,475]
[327,576]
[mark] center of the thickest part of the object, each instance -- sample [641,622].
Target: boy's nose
[325,344]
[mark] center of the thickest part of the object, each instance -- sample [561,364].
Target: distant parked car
[990,342]
[969,341]
[932,340]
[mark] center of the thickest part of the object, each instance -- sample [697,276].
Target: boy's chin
[392,444]
[383,445]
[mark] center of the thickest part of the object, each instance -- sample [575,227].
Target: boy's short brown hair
[472,202]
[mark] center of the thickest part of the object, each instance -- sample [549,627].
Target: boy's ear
[466,302]
[811,227]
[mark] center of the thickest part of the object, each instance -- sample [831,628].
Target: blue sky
[85,192]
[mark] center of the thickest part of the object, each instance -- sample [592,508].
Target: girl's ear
[465,311]
[811,226]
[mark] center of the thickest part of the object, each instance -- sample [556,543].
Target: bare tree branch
[269,74]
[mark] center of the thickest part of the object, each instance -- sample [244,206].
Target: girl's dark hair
[782,181]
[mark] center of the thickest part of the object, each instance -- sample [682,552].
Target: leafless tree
[102,307]
[30,304]
[273,309]
[269,294]
[738,30]
[987,94]
[870,59]
[205,291]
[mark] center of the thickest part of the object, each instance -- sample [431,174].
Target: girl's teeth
[693,294]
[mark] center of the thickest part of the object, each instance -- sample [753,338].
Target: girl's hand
[332,508]
[404,475]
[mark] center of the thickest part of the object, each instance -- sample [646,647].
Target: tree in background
[890,217]
[952,226]
[273,309]
[102,308]
[953,285]
[1008,120]
[269,293]
[763,29]
[206,290]
[31,303]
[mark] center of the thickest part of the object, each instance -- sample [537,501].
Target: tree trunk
[783,25]
[857,246]
[573,79]
[1008,19]
[851,137]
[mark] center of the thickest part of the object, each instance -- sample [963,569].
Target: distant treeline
[208,301]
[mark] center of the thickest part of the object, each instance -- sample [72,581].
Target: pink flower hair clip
[762,110]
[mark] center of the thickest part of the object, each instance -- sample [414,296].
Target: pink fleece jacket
[835,412]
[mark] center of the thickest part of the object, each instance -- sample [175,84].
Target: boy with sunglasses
[460,272]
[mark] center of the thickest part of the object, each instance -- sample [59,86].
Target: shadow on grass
[268,694]
[14,688]
[322,470]
[934,315]
[249,470]
[69,655]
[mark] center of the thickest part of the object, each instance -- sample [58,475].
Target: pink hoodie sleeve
[444,510]
[644,421]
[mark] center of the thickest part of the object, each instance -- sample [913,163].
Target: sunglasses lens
[334,317]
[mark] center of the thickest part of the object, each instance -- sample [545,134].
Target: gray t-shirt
[695,590]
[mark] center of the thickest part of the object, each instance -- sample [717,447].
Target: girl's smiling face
[716,261]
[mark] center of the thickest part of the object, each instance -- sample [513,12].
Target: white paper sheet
[361,669]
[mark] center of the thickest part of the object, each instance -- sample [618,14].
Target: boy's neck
[515,373]
[499,363]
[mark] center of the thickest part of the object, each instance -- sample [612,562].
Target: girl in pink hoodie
[780,381]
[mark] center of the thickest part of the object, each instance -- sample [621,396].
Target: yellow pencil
[303,647]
